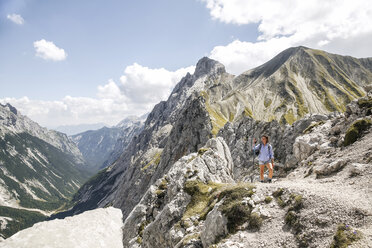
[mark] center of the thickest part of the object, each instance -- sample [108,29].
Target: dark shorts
[263,162]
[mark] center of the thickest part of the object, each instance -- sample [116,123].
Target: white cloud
[239,56]
[48,51]
[146,86]
[323,24]
[17,19]
[140,89]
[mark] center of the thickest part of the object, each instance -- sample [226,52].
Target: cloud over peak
[49,51]
[17,19]
[335,25]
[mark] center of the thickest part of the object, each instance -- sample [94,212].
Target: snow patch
[96,228]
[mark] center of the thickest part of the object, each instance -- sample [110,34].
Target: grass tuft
[345,236]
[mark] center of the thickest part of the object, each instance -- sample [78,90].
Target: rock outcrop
[97,228]
[162,215]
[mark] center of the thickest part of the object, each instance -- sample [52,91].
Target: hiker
[265,154]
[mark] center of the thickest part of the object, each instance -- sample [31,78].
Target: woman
[265,155]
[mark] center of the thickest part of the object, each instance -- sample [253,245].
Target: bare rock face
[174,128]
[156,220]
[215,227]
[307,144]
[239,137]
[97,228]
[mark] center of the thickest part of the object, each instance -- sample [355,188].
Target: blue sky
[101,38]
[90,61]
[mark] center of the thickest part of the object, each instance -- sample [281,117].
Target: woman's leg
[270,167]
[262,168]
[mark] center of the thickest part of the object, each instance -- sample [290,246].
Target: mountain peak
[206,65]
[275,63]
[10,107]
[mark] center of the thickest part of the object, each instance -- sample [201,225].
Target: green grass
[21,219]
[248,112]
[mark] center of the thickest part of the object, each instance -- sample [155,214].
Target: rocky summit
[190,179]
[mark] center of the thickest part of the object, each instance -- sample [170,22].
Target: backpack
[257,152]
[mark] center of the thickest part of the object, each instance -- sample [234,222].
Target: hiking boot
[269,180]
[262,181]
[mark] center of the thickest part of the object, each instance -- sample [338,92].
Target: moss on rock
[312,126]
[202,198]
[356,130]
[205,196]
[233,208]
[202,150]
[268,199]
[365,103]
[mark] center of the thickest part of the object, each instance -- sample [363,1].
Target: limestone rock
[215,226]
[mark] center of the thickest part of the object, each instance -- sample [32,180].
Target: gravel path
[328,202]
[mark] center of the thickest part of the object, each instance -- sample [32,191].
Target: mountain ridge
[201,106]
[181,182]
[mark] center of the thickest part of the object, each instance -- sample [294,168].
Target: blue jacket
[265,153]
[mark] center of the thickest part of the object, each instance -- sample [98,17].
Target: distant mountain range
[75,129]
[41,169]
[103,146]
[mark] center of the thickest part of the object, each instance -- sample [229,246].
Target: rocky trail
[327,202]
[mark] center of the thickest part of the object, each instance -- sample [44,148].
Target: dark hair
[267,138]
